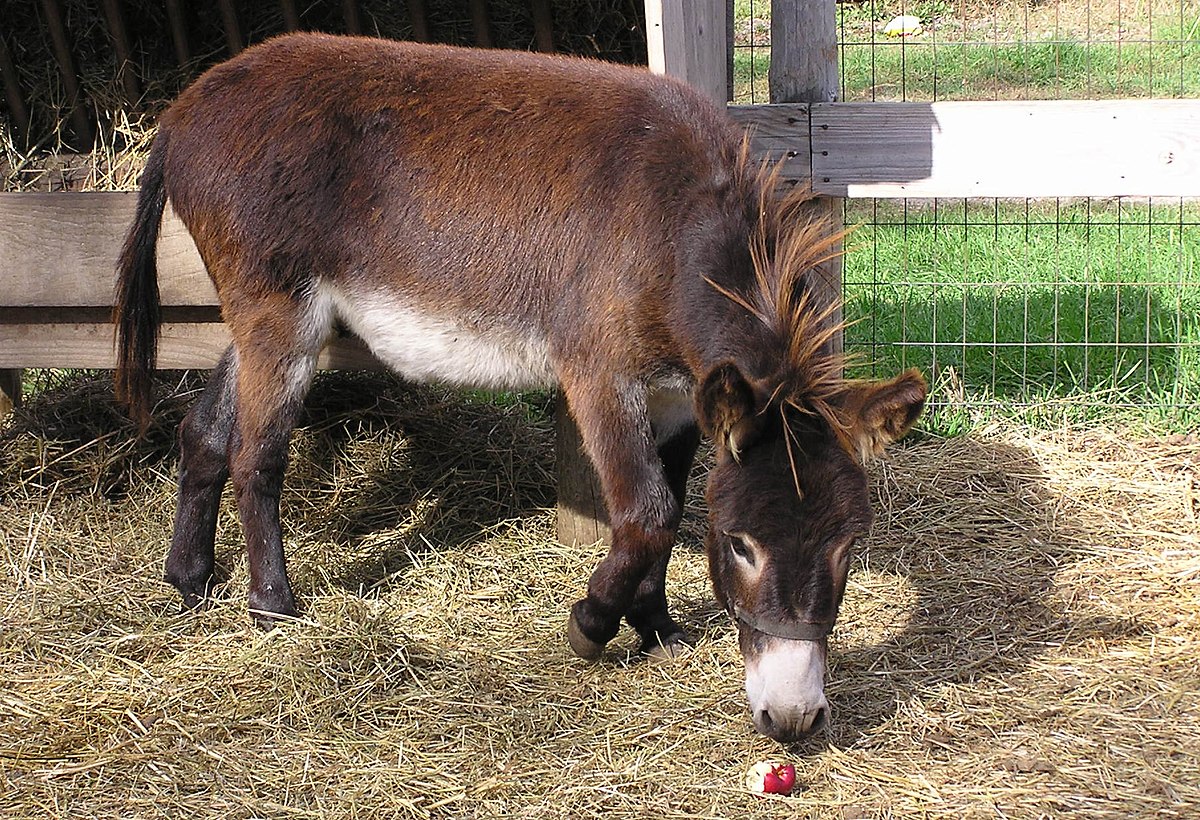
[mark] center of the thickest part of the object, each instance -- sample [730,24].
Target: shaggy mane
[788,244]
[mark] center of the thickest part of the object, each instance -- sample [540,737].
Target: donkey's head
[787,499]
[788,496]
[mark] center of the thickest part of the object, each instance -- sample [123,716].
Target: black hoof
[675,645]
[270,608]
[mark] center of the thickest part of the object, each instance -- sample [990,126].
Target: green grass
[945,65]
[1079,310]
[1092,307]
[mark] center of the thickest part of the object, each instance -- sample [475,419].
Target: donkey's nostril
[789,728]
[820,721]
[764,723]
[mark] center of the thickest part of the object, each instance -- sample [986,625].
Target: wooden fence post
[686,39]
[804,69]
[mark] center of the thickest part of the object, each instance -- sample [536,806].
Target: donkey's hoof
[581,644]
[268,610]
[675,645]
[194,602]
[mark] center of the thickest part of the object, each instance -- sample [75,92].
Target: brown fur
[604,219]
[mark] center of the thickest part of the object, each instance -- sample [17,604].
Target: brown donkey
[504,220]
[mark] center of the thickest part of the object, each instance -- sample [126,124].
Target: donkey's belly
[466,351]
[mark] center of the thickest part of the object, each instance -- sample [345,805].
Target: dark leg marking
[203,471]
[661,635]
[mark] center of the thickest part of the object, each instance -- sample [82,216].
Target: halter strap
[778,628]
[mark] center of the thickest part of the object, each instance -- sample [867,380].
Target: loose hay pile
[1020,636]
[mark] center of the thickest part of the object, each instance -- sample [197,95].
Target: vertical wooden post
[352,17]
[81,123]
[12,94]
[233,29]
[291,15]
[479,21]
[804,69]
[686,40]
[582,517]
[10,391]
[543,26]
[120,38]
[419,20]
[179,32]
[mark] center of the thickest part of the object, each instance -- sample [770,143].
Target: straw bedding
[1019,639]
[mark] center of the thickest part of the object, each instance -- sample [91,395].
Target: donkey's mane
[789,243]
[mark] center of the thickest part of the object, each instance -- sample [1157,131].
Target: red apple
[771,778]
[780,779]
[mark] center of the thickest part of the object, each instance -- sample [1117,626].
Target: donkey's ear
[878,413]
[727,409]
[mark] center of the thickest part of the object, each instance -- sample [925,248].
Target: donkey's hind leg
[275,369]
[203,471]
[661,636]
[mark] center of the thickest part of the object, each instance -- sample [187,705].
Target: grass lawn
[1075,308]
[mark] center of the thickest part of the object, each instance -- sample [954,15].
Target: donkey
[506,220]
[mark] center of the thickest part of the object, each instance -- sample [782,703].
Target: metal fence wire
[1084,308]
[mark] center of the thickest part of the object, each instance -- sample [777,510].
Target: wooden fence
[57,250]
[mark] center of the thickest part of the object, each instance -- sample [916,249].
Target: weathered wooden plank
[686,39]
[1008,149]
[778,133]
[182,346]
[804,52]
[60,250]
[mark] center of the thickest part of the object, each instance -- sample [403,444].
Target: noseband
[778,628]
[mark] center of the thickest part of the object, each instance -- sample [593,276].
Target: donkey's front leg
[661,636]
[642,508]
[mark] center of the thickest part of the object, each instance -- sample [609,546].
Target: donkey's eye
[739,544]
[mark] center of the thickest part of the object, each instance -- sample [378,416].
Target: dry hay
[1020,637]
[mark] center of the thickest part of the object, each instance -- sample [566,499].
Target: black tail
[137,312]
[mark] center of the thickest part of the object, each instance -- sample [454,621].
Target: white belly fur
[420,346]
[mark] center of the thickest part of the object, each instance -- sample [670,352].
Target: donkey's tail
[137,313]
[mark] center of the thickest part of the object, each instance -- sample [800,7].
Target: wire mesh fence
[1086,308]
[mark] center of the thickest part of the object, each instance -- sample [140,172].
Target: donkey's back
[508,202]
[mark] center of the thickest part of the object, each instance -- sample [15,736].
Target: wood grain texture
[1008,149]
[182,346]
[61,250]
[778,133]
[686,39]
[582,516]
[804,52]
